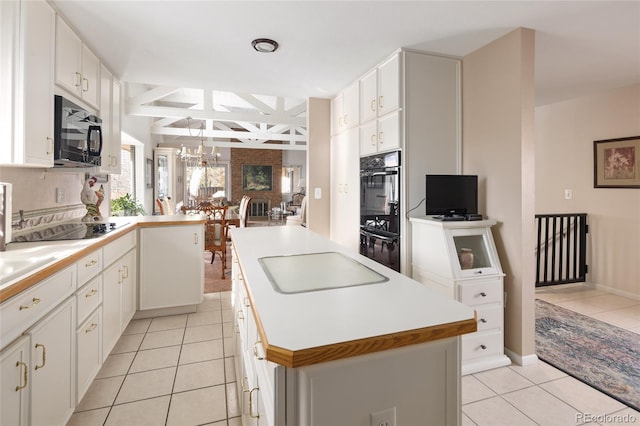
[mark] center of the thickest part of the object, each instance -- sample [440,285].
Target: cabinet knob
[483,294]
[482,320]
[483,347]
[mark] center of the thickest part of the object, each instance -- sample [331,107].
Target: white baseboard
[615,291]
[520,359]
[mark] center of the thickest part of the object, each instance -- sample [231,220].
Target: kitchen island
[331,351]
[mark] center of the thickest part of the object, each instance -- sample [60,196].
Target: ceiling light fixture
[264,45]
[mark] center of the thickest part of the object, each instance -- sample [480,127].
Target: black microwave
[77,135]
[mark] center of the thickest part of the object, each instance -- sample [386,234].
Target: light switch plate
[317,193]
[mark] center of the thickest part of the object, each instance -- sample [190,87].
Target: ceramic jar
[466,258]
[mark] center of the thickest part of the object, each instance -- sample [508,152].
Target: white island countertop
[312,326]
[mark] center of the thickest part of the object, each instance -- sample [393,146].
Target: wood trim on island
[344,350]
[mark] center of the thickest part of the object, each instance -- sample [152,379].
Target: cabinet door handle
[373,139]
[195,238]
[91,327]
[34,302]
[91,263]
[44,356]
[381,138]
[240,315]
[257,415]
[49,145]
[78,79]
[125,271]
[25,375]
[86,88]
[373,105]
[242,386]
[119,276]
[91,293]
[255,350]
[380,101]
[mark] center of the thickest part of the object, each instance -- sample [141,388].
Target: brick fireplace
[257,157]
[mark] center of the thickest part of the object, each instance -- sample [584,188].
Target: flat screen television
[451,195]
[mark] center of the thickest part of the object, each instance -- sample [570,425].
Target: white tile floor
[178,370]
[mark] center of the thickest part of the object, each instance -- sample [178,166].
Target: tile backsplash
[35,192]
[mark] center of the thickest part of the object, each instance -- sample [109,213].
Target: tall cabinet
[460,260]
[410,102]
[27,34]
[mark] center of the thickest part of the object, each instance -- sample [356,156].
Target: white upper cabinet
[345,109]
[77,69]
[110,115]
[380,90]
[389,85]
[27,32]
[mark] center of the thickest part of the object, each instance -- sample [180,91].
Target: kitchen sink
[11,268]
[317,271]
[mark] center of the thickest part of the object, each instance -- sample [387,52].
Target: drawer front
[89,352]
[114,250]
[89,298]
[490,317]
[481,344]
[21,312]
[481,293]
[89,266]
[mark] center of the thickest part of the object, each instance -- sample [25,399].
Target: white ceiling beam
[225,134]
[298,109]
[152,95]
[257,103]
[250,145]
[253,117]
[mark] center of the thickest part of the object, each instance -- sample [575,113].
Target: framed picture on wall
[616,163]
[257,178]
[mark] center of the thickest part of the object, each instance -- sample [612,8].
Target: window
[207,181]
[125,182]
[292,181]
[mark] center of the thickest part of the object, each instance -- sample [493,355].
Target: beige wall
[565,133]
[318,159]
[498,145]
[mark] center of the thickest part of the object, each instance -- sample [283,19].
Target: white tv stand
[436,248]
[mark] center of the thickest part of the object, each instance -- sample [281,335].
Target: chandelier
[198,157]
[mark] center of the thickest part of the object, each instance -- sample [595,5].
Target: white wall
[565,133]
[498,146]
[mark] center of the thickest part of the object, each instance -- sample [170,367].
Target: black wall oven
[77,135]
[380,208]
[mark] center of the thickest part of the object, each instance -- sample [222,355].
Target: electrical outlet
[385,417]
[317,193]
[59,195]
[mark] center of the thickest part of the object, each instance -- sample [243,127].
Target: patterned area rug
[213,282]
[601,355]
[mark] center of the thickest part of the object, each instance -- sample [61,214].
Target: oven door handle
[385,173]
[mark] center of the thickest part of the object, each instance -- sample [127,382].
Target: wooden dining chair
[215,235]
[243,210]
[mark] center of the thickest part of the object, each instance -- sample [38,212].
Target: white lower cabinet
[52,369]
[171,267]
[345,391]
[89,344]
[119,298]
[14,386]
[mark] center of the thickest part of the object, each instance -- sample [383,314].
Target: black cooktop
[67,231]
